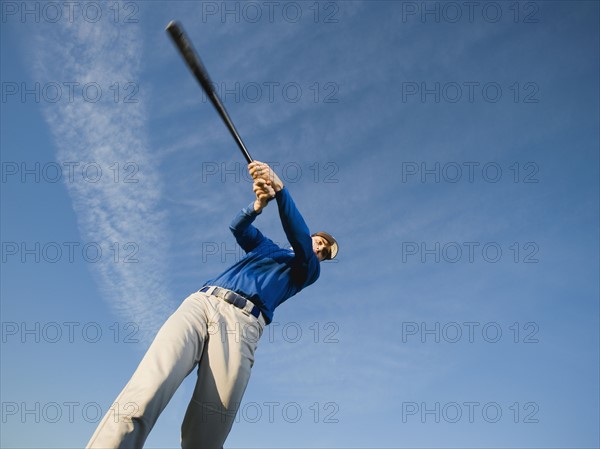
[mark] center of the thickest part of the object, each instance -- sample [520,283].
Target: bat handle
[230,126]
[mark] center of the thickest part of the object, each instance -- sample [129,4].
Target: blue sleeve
[297,233]
[247,236]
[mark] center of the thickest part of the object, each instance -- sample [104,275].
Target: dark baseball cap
[333,245]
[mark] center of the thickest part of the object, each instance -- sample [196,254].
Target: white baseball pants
[205,331]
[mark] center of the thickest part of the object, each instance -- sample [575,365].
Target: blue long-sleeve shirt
[268,274]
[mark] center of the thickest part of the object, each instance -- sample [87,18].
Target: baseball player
[218,328]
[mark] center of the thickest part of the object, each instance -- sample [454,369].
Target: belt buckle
[234,299]
[219,292]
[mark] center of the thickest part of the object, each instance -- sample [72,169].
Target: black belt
[233,298]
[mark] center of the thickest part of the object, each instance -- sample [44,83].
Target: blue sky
[451,147]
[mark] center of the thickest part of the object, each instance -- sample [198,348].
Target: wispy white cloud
[114,214]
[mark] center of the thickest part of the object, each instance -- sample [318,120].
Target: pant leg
[173,354]
[223,374]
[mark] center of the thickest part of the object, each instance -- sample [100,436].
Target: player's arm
[294,226]
[248,236]
[293,223]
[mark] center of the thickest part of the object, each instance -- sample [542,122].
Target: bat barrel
[194,63]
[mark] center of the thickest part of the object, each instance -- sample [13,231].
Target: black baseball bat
[194,62]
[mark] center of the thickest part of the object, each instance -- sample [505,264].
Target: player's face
[321,247]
